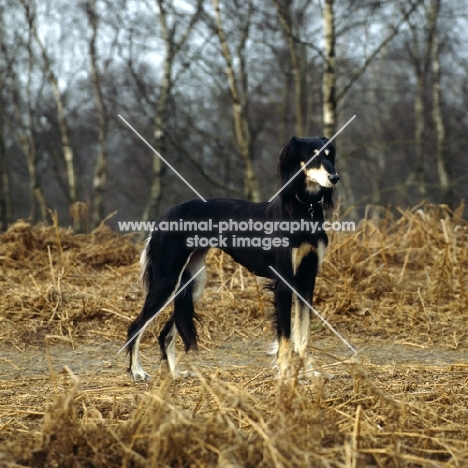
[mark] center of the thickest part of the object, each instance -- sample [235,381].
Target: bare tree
[238,93]
[4,192]
[25,128]
[298,58]
[203,78]
[170,23]
[100,176]
[329,70]
[437,115]
[5,76]
[420,51]
[332,96]
[67,150]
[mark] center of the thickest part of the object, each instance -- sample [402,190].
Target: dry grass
[395,289]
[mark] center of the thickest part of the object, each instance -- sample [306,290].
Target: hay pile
[394,288]
[404,274]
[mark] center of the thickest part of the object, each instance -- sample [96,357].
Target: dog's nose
[334,178]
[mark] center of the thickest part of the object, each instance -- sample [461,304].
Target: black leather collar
[312,206]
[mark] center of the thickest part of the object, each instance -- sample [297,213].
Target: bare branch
[395,30]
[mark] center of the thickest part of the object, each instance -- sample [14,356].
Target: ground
[395,289]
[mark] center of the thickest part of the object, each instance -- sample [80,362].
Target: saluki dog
[172,257]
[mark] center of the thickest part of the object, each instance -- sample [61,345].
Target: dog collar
[313,207]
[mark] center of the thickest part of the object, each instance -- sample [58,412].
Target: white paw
[183,374]
[310,374]
[139,374]
[305,376]
[272,349]
[285,373]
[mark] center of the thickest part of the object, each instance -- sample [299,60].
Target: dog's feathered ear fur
[287,167]
[328,192]
[328,198]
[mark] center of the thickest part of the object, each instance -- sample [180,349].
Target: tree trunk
[419,125]
[151,211]
[237,85]
[5,198]
[100,174]
[67,151]
[283,110]
[421,65]
[38,211]
[442,165]
[172,48]
[331,97]
[5,202]
[329,106]
[376,153]
[298,68]
[329,72]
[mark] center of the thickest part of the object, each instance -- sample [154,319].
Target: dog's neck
[313,205]
[310,198]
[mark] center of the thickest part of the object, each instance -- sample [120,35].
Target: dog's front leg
[283,296]
[301,328]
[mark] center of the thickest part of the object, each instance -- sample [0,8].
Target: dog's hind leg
[156,298]
[182,319]
[162,277]
[167,339]
[135,368]
[197,261]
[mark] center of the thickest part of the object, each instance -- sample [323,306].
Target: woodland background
[218,87]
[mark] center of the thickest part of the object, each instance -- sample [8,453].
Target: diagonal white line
[143,328]
[311,159]
[162,159]
[323,319]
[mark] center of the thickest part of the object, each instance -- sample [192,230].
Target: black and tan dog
[172,258]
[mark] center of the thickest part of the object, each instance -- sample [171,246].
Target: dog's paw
[310,373]
[287,374]
[307,375]
[272,349]
[184,374]
[139,375]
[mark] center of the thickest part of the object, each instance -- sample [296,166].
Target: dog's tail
[145,265]
[145,277]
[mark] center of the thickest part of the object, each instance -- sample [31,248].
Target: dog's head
[317,177]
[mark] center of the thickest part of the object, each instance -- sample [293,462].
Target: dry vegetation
[394,288]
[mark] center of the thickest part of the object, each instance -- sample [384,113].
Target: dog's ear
[287,167]
[328,198]
[329,152]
